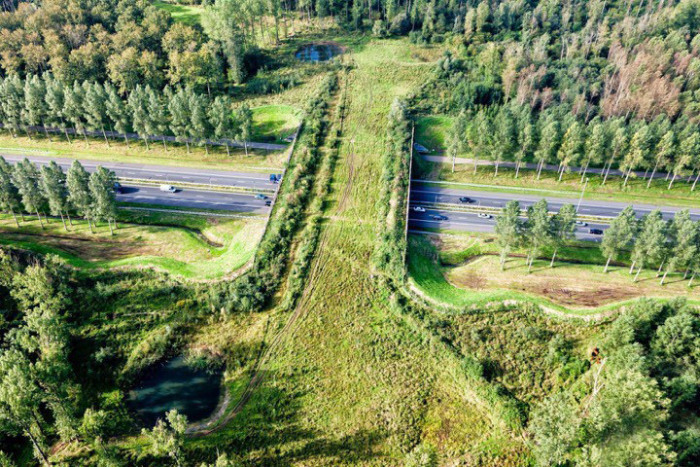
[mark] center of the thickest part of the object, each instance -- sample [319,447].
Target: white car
[483,215]
[581,223]
[418,209]
[168,188]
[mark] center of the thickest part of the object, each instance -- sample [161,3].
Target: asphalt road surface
[427,193]
[194,199]
[251,180]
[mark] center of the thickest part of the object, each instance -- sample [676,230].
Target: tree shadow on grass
[269,431]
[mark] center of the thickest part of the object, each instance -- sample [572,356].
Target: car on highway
[582,224]
[268,202]
[418,209]
[465,199]
[168,188]
[118,188]
[273,178]
[595,231]
[260,196]
[439,217]
[483,215]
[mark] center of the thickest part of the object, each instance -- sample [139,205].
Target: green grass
[186,14]
[186,246]
[431,131]
[273,123]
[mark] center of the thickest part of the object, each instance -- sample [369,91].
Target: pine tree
[138,104]
[117,111]
[26,177]
[95,106]
[101,185]
[508,229]
[53,186]
[9,196]
[79,196]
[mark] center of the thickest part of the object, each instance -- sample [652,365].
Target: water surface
[174,385]
[318,52]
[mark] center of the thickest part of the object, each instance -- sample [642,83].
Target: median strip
[201,186]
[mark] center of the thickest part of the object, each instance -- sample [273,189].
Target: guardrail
[202,186]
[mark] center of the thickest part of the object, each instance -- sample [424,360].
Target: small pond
[174,385]
[318,52]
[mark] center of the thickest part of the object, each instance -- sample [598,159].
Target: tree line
[27,189]
[44,103]
[514,133]
[652,241]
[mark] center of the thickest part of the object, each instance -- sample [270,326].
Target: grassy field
[273,123]
[191,247]
[187,14]
[431,131]
[117,151]
[464,271]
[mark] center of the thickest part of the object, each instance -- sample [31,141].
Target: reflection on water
[318,52]
[174,385]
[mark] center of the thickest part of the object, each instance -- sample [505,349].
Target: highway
[425,194]
[161,173]
[194,199]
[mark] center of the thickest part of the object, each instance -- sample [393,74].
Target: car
[268,203]
[118,188]
[168,188]
[483,215]
[465,199]
[595,231]
[438,217]
[273,178]
[260,196]
[582,224]
[418,209]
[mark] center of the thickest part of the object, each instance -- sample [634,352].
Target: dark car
[438,217]
[595,231]
[466,199]
[118,188]
[268,203]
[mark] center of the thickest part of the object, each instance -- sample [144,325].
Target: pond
[174,385]
[318,52]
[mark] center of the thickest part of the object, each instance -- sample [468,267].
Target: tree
[456,137]
[140,118]
[55,100]
[538,230]
[199,124]
[527,139]
[508,229]
[554,424]
[618,147]
[9,196]
[35,107]
[638,152]
[595,146]
[650,244]
[571,148]
[563,228]
[549,141]
[223,460]
[244,117]
[79,195]
[74,108]
[53,185]
[157,123]
[26,178]
[621,233]
[104,204]
[12,102]
[20,397]
[684,245]
[95,107]
[180,112]
[687,151]
[665,152]
[167,436]
[117,111]
[220,120]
